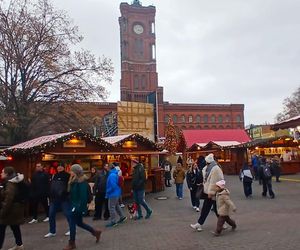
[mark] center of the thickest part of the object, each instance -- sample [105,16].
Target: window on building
[228,118]
[213,118]
[191,127]
[214,126]
[144,82]
[238,118]
[206,126]
[152,28]
[183,118]
[220,119]
[183,127]
[174,118]
[228,126]
[167,118]
[198,127]
[198,118]
[221,127]
[205,118]
[136,82]
[190,118]
[153,52]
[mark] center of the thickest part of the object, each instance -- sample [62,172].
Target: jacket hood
[113,171]
[18,178]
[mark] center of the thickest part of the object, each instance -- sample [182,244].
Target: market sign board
[74,143]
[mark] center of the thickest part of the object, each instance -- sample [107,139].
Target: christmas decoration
[182,145]
[171,141]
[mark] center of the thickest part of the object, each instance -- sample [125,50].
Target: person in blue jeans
[138,188]
[179,176]
[113,193]
[59,198]
[78,187]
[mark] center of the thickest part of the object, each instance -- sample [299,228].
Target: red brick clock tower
[138,52]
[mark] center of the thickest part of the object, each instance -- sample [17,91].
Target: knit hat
[221,184]
[209,158]
[77,169]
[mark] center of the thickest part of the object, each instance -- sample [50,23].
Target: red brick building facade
[139,78]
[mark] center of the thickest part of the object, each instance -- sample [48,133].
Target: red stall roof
[217,135]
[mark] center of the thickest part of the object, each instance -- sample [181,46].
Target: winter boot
[97,234]
[70,246]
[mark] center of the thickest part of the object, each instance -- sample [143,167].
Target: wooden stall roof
[215,135]
[212,145]
[290,123]
[286,141]
[118,141]
[40,144]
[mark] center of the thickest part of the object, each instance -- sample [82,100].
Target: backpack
[23,193]
[266,171]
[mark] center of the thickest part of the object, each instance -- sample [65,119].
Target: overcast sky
[232,51]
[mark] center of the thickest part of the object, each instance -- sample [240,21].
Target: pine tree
[171,141]
[182,145]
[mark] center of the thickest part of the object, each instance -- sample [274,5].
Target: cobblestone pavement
[263,223]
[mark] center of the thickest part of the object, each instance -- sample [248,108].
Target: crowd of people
[70,192]
[73,193]
[205,181]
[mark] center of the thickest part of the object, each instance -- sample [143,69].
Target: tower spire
[136,2]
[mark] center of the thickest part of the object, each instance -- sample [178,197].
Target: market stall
[132,148]
[69,148]
[229,157]
[285,147]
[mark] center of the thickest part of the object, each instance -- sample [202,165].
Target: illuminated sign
[74,143]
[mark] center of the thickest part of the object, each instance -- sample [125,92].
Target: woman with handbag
[194,181]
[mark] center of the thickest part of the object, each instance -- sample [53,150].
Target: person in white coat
[212,173]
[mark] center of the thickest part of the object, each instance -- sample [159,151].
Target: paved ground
[262,224]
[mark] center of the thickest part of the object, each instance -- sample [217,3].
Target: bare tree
[291,106]
[39,67]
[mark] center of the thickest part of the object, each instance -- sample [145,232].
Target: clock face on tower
[138,29]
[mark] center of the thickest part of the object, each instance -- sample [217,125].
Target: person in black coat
[246,177]
[167,166]
[194,181]
[40,183]
[59,198]
[265,174]
[100,191]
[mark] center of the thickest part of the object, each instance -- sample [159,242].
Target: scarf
[209,168]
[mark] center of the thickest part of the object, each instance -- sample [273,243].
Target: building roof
[43,142]
[120,139]
[222,137]
[290,123]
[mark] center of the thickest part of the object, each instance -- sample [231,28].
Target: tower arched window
[136,82]
[198,118]
[144,82]
[238,118]
[190,118]
[205,118]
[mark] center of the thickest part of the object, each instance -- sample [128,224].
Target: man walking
[39,192]
[100,190]
[266,178]
[138,187]
[59,198]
